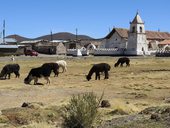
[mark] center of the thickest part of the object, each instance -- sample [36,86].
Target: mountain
[56,36]
[63,36]
[18,37]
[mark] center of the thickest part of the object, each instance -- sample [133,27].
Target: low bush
[82,111]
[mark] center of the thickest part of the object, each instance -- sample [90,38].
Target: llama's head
[3,72]
[116,64]
[88,77]
[28,79]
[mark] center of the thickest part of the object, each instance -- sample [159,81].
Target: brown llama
[121,61]
[97,69]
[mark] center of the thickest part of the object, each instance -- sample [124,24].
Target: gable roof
[121,31]
[165,42]
[157,35]
[150,35]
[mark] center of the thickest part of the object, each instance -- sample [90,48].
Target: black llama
[43,71]
[8,69]
[97,69]
[121,61]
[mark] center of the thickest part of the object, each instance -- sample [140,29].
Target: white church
[120,41]
[135,41]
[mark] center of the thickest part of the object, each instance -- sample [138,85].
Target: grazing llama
[8,69]
[43,71]
[121,61]
[62,64]
[97,69]
[12,58]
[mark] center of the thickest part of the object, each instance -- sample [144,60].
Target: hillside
[63,36]
[55,36]
[18,37]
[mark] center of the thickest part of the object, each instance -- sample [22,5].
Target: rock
[155,117]
[167,100]
[34,105]
[25,104]
[105,104]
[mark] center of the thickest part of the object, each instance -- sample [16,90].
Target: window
[141,29]
[133,29]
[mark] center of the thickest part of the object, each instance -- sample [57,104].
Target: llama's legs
[9,75]
[97,76]
[106,74]
[65,69]
[35,80]
[5,76]
[48,80]
[17,74]
[121,65]
[127,64]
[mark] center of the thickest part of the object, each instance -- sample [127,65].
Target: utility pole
[3,32]
[51,36]
[76,37]
[76,34]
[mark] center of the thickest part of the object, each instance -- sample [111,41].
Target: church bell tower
[137,42]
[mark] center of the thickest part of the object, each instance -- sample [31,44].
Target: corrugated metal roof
[30,42]
[59,41]
[8,46]
[8,40]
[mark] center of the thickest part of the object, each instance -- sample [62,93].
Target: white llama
[62,64]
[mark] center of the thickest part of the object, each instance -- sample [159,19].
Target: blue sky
[34,18]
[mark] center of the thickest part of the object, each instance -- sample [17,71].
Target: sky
[95,18]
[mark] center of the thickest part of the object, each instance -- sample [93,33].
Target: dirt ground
[145,83]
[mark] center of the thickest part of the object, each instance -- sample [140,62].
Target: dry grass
[145,83]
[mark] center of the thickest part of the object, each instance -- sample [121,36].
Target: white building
[135,41]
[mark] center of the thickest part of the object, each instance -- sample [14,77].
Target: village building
[135,41]
[46,47]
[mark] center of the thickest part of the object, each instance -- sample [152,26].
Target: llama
[12,58]
[97,69]
[8,69]
[54,66]
[62,64]
[121,61]
[43,71]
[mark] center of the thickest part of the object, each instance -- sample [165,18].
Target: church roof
[165,42]
[150,35]
[157,35]
[137,19]
[121,31]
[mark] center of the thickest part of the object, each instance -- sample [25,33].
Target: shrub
[82,111]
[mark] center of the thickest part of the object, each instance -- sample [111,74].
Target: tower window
[141,29]
[133,29]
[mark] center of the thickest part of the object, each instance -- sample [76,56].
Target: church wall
[115,42]
[142,44]
[132,42]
